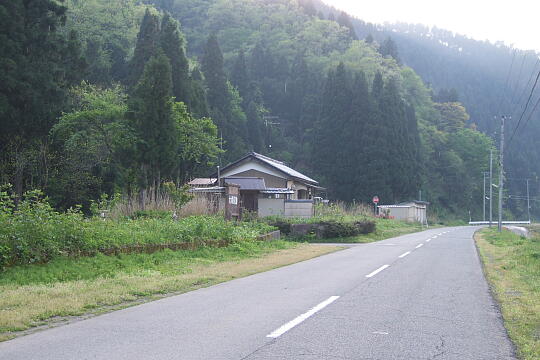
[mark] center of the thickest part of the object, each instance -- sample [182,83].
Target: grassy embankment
[36,295]
[512,266]
[55,265]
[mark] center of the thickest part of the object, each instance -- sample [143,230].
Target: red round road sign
[375,199]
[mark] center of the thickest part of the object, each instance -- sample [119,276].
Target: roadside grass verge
[66,289]
[385,229]
[512,266]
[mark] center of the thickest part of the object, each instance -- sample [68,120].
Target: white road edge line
[377,271]
[419,245]
[288,326]
[404,254]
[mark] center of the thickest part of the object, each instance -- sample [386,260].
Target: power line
[526,107]
[518,78]
[527,85]
[507,80]
[532,113]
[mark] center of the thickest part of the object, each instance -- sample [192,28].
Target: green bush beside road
[34,232]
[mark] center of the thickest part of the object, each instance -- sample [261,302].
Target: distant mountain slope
[478,70]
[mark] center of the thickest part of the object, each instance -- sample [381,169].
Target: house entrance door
[249,200]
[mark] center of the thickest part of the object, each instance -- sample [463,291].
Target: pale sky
[515,22]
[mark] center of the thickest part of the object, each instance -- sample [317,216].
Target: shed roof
[247,183]
[277,191]
[202,181]
[278,165]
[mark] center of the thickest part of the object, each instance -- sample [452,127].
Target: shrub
[336,229]
[282,224]
[36,233]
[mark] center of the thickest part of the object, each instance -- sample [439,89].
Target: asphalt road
[418,296]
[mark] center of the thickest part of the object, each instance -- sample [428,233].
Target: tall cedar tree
[389,48]
[393,117]
[254,124]
[375,169]
[353,141]
[216,81]
[197,99]
[239,77]
[150,106]
[172,43]
[38,66]
[344,20]
[335,113]
[223,101]
[298,88]
[146,47]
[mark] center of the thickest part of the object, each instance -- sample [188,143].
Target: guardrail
[527,222]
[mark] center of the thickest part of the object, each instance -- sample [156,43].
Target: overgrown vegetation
[33,232]
[343,223]
[512,265]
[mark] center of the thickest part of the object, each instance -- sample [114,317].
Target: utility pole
[501,173]
[528,203]
[484,198]
[490,187]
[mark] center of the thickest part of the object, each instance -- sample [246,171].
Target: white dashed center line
[428,240]
[405,254]
[288,326]
[419,245]
[377,271]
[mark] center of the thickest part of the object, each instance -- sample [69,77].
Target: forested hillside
[491,80]
[126,96]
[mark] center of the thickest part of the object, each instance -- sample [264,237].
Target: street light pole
[484,198]
[528,203]
[501,174]
[490,187]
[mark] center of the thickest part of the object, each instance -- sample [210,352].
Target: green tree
[146,47]
[344,20]
[96,147]
[198,144]
[389,48]
[150,107]
[38,65]
[197,100]
[239,76]
[172,43]
[254,125]
[330,155]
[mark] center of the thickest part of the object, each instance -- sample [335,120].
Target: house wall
[299,208]
[247,166]
[270,180]
[269,207]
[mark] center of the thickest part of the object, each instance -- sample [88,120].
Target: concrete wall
[299,208]
[407,213]
[269,207]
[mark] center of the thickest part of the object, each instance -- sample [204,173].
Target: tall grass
[35,233]
[512,264]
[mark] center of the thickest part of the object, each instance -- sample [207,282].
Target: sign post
[375,202]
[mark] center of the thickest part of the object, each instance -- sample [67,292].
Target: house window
[302,195]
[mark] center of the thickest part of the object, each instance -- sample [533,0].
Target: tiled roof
[247,183]
[282,167]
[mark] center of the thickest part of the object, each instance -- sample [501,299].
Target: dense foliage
[35,233]
[173,87]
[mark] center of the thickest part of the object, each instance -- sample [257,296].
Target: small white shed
[413,211]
